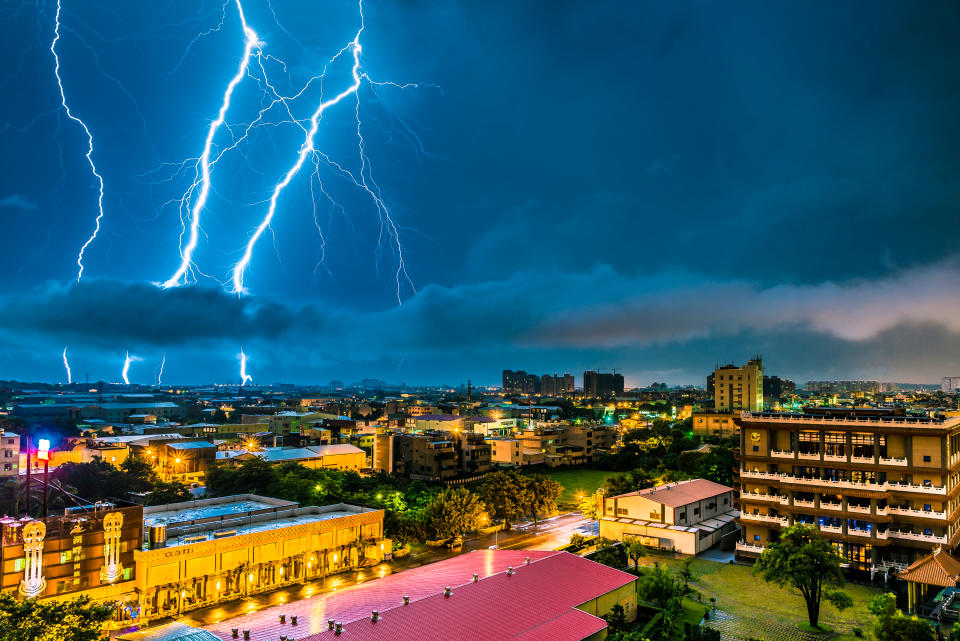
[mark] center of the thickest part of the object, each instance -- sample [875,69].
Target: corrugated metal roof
[192,445]
[537,603]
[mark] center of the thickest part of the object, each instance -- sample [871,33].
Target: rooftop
[681,492]
[537,603]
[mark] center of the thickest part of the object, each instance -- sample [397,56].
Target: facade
[88,551]
[566,444]
[881,486]
[738,388]
[519,382]
[209,551]
[337,456]
[596,384]
[434,456]
[9,454]
[775,388]
[556,385]
[714,423]
[688,517]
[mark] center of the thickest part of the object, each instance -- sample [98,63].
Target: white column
[112,526]
[33,583]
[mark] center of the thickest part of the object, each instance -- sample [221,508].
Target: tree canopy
[894,625]
[31,620]
[806,562]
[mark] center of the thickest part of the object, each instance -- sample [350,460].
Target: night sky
[647,186]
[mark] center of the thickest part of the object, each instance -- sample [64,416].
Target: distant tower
[469,390]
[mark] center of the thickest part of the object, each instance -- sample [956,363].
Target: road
[548,535]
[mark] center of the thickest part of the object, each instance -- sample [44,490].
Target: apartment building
[737,388]
[433,456]
[714,423]
[567,444]
[9,454]
[881,486]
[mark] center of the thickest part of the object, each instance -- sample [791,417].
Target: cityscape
[386,320]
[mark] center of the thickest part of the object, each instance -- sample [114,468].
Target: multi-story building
[160,561]
[950,384]
[597,384]
[775,388]
[714,423]
[688,516]
[738,388]
[9,454]
[882,487]
[520,382]
[554,384]
[433,456]
[567,444]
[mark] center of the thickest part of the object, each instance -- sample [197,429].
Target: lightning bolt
[66,366]
[163,362]
[364,180]
[202,177]
[126,366]
[244,377]
[89,154]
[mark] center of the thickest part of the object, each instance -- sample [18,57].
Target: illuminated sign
[43,449]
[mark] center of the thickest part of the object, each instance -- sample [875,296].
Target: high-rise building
[775,388]
[598,384]
[554,384]
[880,485]
[951,384]
[738,388]
[519,382]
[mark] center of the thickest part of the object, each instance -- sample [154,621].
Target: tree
[610,553]
[543,492]
[616,618]
[31,620]
[635,551]
[657,586]
[893,625]
[588,506]
[686,572]
[805,561]
[506,495]
[452,512]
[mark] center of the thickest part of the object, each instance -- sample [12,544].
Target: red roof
[682,493]
[537,603]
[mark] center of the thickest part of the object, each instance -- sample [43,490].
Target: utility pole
[26,440]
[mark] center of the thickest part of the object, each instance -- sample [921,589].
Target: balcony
[893,461]
[809,456]
[908,511]
[831,506]
[781,454]
[911,536]
[802,503]
[872,487]
[750,548]
[855,532]
[863,460]
[836,458]
[780,521]
[860,509]
[831,529]
[766,498]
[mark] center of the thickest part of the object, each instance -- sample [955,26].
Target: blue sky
[648,186]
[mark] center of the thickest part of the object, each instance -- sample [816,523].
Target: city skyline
[551,188]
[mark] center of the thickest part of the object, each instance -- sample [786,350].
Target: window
[7,454]
[927,531]
[756,448]
[926,458]
[726,500]
[66,557]
[756,537]
[926,483]
[126,573]
[926,507]
[18,565]
[655,515]
[7,467]
[682,516]
[696,510]
[621,511]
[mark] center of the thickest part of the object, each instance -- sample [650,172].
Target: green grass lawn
[577,480]
[744,595]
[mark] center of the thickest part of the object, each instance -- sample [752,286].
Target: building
[438,422]
[555,385]
[566,444]
[738,388]
[184,459]
[519,382]
[121,412]
[9,454]
[510,452]
[491,595]
[88,551]
[880,485]
[433,456]
[950,384]
[340,456]
[688,517]
[714,423]
[775,388]
[204,552]
[597,384]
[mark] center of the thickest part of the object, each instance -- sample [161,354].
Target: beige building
[738,388]
[714,423]
[882,487]
[687,517]
[9,454]
[509,452]
[337,456]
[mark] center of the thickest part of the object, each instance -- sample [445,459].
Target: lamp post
[43,453]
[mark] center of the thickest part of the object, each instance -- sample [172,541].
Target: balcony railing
[858,508]
[781,453]
[862,459]
[750,547]
[809,456]
[766,518]
[911,536]
[832,529]
[838,458]
[831,506]
[873,487]
[909,511]
[755,496]
[893,461]
[856,532]
[803,503]
[849,420]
